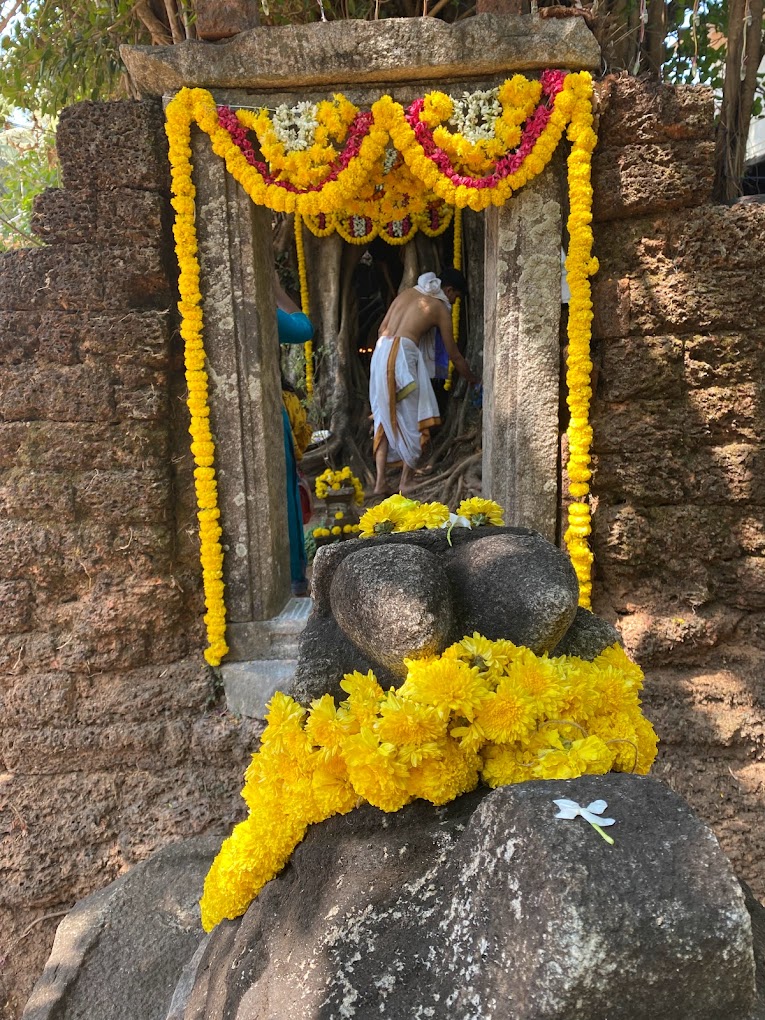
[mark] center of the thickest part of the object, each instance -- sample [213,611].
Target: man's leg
[407,480]
[381,460]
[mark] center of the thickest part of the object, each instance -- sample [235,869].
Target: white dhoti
[404,406]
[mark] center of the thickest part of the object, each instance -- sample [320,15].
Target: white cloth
[404,406]
[430,285]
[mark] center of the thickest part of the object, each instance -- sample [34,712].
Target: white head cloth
[430,285]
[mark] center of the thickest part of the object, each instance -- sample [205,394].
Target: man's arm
[445,326]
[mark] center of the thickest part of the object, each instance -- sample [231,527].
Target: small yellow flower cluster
[483,709]
[178,130]
[336,530]
[330,480]
[398,513]
[580,266]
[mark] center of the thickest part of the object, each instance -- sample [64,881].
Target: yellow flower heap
[398,513]
[330,481]
[482,710]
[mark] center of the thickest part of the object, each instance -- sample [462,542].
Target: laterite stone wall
[679,421]
[112,736]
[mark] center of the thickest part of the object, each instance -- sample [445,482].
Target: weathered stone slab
[639,110]
[637,180]
[220,19]
[84,277]
[491,907]
[391,50]
[128,214]
[119,953]
[687,271]
[113,145]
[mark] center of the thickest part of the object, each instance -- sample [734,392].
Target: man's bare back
[412,314]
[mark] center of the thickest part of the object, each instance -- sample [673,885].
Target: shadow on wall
[679,423]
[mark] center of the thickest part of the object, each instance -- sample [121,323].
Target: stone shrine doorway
[521,260]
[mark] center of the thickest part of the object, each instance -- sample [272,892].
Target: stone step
[277,638]
[249,686]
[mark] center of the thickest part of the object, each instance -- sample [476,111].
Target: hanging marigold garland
[202,444]
[580,266]
[457,263]
[305,301]
[458,170]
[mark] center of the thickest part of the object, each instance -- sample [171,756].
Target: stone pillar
[236,258]
[522,355]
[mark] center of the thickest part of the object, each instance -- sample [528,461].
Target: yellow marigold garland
[457,263]
[483,709]
[178,128]
[580,265]
[305,301]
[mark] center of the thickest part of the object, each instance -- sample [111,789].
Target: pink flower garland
[552,84]
[357,131]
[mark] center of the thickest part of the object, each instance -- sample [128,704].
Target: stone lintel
[522,355]
[345,52]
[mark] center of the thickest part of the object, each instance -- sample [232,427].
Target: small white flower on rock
[592,813]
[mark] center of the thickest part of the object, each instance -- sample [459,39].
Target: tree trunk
[743,58]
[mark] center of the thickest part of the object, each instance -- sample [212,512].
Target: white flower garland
[295,126]
[475,115]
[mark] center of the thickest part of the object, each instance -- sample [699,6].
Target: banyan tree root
[460,481]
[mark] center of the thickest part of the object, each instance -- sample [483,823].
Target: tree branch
[6,19]
[156,29]
[174,22]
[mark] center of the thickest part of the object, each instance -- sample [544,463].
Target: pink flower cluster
[357,131]
[552,83]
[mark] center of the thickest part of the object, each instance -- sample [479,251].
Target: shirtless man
[404,406]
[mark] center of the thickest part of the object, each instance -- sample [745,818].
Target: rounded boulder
[518,587]
[393,602]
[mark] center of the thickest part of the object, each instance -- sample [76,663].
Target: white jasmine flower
[295,126]
[570,809]
[475,115]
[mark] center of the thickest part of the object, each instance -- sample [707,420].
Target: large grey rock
[496,587]
[491,908]
[757,914]
[329,558]
[519,587]
[118,953]
[389,50]
[587,636]
[393,602]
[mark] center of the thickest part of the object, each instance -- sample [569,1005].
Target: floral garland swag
[385,167]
